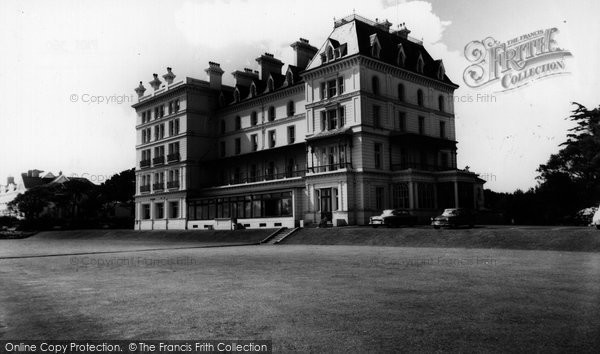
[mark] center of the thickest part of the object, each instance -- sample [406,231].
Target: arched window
[329,53]
[400,92]
[289,78]
[401,55]
[375,85]
[270,84]
[253,90]
[420,97]
[441,103]
[236,96]
[271,113]
[253,118]
[238,123]
[420,64]
[291,108]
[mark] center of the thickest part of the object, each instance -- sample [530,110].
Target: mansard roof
[358,36]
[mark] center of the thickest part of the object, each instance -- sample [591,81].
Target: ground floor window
[174,209]
[242,207]
[145,211]
[426,194]
[379,195]
[400,196]
[160,210]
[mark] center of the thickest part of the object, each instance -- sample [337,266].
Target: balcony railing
[145,163]
[159,160]
[172,184]
[332,167]
[243,178]
[173,157]
[158,186]
[145,188]
[420,166]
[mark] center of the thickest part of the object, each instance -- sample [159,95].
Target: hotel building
[363,123]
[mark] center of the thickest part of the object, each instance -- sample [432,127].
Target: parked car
[596,219]
[454,218]
[392,218]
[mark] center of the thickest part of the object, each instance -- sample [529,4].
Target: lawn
[308,297]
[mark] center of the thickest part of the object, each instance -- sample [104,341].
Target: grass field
[304,297]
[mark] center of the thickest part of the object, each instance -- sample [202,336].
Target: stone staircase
[278,236]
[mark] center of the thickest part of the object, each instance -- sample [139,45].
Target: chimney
[140,90]
[155,83]
[268,64]
[169,76]
[215,74]
[10,180]
[304,52]
[402,31]
[385,25]
[244,78]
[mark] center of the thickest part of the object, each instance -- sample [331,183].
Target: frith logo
[516,63]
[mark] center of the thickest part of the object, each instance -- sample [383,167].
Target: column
[411,196]
[456,194]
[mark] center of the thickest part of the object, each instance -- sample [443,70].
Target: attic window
[420,64]
[441,71]
[253,90]
[236,95]
[375,46]
[221,100]
[401,55]
[270,84]
[329,53]
[289,78]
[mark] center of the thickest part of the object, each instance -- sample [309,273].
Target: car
[393,218]
[596,219]
[454,217]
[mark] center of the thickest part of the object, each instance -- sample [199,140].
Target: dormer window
[222,100]
[289,78]
[253,90]
[401,56]
[236,95]
[441,71]
[270,84]
[420,64]
[329,53]
[375,46]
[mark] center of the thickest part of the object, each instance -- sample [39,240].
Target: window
[253,90]
[444,160]
[238,146]
[340,85]
[425,195]
[291,108]
[379,195]
[289,78]
[162,110]
[236,96]
[323,90]
[402,121]
[174,210]
[222,148]
[291,134]
[270,84]
[146,211]
[441,103]
[342,114]
[375,85]
[400,196]
[254,140]
[421,125]
[160,211]
[222,123]
[331,88]
[401,92]
[375,47]
[329,53]
[420,97]
[442,129]
[238,123]
[161,131]
[376,116]
[170,107]
[401,55]
[378,157]
[331,119]
[271,113]
[156,112]
[272,138]
[253,118]
[173,127]
[420,64]
[176,106]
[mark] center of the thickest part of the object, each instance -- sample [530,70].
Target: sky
[61,58]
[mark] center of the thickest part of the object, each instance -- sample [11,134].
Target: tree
[32,202]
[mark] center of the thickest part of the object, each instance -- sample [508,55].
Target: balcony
[328,168]
[159,160]
[173,184]
[158,186]
[173,157]
[145,163]
[420,166]
[145,188]
[242,178]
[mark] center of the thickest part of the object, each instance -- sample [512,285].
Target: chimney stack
[169,76]
[245,78]
[304,52]
[215,74]
[268,64]
[402,31]
[155,83]
[10,180]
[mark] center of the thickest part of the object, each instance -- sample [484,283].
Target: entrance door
[326,203]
